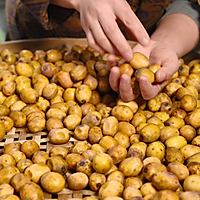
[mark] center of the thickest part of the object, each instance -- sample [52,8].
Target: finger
[146,88]
[114,78]
[111,61]
[116,37]
[92,43]
[122,61]
[125,89]
[130,20]
[167,70]
[102,39]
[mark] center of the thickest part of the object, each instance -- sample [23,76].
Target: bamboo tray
[46,44]
[21,135]
[58,43]
[43,44]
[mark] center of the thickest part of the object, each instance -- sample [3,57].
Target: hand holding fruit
[156,53]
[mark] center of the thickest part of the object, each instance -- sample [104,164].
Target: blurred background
[3,27]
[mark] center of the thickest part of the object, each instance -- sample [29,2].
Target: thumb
[166,71]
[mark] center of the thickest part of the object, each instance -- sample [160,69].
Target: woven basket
[70,195]
[21,135]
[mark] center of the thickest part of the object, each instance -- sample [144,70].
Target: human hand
[99,21]
[158,53]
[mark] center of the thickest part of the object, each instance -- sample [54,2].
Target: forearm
[179,31]
[70,4]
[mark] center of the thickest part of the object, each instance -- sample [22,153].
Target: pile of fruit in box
[137,150]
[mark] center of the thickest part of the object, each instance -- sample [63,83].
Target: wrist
[159,39]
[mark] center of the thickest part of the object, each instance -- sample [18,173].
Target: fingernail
[128,56]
